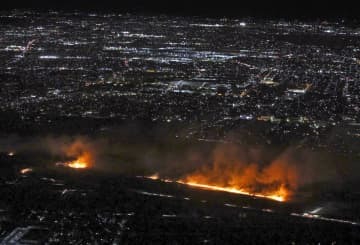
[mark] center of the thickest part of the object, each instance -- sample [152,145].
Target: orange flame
[279,195]
[77,164]
[82,152]
[232,172]
[81,162]
[276,181]
[154,176]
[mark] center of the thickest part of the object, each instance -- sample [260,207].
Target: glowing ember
[26,170]
[154,176]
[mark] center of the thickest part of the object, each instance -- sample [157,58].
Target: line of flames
[275,197]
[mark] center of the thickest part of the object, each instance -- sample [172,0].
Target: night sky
[254,8]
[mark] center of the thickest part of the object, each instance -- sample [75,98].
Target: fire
[233,169]
[276,181]
[81,162]
[154,176]
[77,164]
[277,196]
[230,172]
[79,151]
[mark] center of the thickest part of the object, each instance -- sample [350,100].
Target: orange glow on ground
[278,195]
[154,177]
[275,196]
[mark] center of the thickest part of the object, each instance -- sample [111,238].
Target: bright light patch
[77,164]
[276,196]
[81,162]
[26,170]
